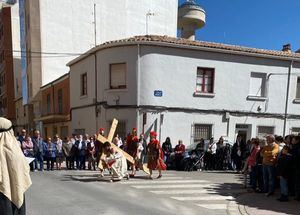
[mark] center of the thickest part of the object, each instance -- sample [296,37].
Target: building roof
[193,44]
[191,4]
[59,79]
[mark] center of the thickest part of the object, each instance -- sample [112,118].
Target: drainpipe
[96,71]
[96,91]
[287,96]
[138,86]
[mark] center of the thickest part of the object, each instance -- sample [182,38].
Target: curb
[234,208]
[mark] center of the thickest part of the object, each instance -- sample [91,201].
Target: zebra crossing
[200,193]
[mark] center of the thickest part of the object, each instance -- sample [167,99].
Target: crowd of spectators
[265,162]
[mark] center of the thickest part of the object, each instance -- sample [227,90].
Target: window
[262,131]
[60,100]
[29,57]
[296,131]
[54,131]
[79,131]
[48,103]
[17,112]
[298,89]
[46,132]
[24,111]
[257,84]
[83,84]
[205,80]
[118,76]
[202,131]
[64,131]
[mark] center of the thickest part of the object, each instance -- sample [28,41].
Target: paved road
[83,192]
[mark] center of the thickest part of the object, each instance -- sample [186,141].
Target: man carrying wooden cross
[102,139]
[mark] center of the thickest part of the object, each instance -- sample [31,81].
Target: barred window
[296,131]
[263,131]
[202,131]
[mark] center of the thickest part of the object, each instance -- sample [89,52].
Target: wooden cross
[109,139]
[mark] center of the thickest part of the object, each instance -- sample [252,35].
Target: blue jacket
[50,150]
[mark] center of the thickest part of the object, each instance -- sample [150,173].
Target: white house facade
[185,89]
[53,32]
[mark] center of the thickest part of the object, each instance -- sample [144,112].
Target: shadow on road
[85,178]
[252,202]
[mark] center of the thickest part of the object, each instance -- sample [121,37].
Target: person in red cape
[132,148]
[155,155]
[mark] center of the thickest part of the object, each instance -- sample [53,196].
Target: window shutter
[298,89]
[118,75]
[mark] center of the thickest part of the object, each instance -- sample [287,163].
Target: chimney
[287,48]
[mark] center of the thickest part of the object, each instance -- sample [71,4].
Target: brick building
[55,108]
[7,103]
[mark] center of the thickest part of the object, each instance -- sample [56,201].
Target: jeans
[269,178]
[50,163]
[82,162]
[39,160]
[256,176]
[284,186]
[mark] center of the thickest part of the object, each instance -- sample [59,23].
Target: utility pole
[287,97]
[95,26]
[147,20]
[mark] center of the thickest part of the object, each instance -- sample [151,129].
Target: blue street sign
[158,93]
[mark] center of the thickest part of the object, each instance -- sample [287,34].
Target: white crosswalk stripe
[164,186]
[202,198]
[181,192]
[201,193]
[165,182]
[213,206]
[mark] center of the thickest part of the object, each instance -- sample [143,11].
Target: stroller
[194,161]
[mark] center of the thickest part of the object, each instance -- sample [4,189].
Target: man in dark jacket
[237,153]
[283,170]
[295,152]
[39,150]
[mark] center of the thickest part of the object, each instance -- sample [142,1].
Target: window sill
[296,101]
[256,98]
[117,90]
[83,96]
[199,94]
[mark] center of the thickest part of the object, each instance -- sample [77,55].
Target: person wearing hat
[155,156]
[14,172]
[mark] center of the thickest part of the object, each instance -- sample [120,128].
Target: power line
[47,53]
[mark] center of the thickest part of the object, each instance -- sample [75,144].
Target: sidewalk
[259,204]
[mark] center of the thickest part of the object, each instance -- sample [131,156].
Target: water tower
[191,16]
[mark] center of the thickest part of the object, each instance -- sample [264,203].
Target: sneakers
[283,198]
[269,194]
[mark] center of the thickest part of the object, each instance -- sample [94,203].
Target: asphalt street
[83,192]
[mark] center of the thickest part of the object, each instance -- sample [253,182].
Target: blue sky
[266,24]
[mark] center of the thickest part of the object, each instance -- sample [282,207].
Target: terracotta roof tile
[196,43]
